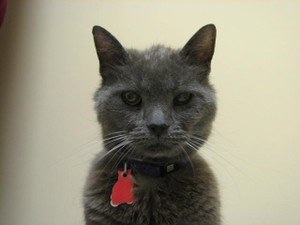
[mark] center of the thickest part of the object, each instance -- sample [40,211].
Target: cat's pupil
[131,98]
[182,98]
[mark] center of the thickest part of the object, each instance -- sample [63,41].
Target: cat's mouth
[151,147]
[159,147]
[154,149]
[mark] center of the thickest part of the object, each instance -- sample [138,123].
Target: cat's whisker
[117,148]
[199,141]
[198,138]
[195,143]
[188,157]
[210,148]
[226,161]
[117,132]
[132,151]
[207,144]
[121,157]
[107,153]
[114,140]
[192,146]
[113,137]
[118,136]
[202,141]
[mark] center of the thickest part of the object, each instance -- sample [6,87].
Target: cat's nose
[158,129]
[156,119]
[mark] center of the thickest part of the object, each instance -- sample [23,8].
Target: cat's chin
[156,151]
[159,148]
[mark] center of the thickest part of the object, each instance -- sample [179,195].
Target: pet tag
[122,191]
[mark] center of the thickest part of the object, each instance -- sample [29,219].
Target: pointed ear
[199,49]
[110,52]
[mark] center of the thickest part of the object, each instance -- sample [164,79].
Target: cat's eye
[183,98]
[131,98]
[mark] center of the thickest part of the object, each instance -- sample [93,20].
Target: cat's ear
[200,48]
[109,50]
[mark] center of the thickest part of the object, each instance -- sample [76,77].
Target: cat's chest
[181,198]
[159,201]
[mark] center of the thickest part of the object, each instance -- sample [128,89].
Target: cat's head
[157,102]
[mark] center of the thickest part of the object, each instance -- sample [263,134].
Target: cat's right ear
[109,50]
[199,50]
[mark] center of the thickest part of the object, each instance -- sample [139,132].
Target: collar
[153,169]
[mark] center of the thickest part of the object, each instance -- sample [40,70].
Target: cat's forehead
[158,68]
[157,52]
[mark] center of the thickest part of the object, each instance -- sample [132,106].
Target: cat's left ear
[109,50]
[200,48]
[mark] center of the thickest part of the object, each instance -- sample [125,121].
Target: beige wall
[49,134]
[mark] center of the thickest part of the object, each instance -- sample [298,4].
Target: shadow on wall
[11,37]
[3,5]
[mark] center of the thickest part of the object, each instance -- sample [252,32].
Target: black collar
[153,169]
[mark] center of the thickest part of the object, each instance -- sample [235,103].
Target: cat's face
[158,102]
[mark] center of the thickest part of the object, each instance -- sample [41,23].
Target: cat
[156,109]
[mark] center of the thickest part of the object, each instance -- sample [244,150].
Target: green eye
[131,98]
[183,98]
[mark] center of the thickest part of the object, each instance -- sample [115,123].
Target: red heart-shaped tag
[122,191]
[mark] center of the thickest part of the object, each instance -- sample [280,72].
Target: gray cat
[156,108]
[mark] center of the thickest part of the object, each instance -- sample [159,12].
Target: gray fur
[186,197]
